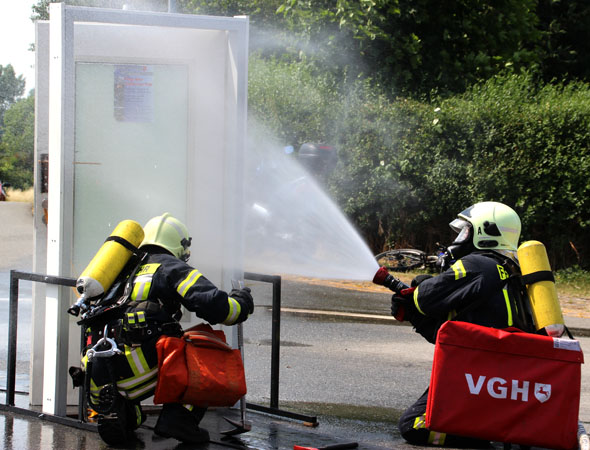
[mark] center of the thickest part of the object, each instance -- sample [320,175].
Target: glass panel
[130,158]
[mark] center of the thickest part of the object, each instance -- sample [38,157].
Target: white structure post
[146,114]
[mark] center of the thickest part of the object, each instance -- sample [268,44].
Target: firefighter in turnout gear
[475,288]
[159,285]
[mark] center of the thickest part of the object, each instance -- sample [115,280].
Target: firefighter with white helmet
[160,284]
[474,288]
[485,226]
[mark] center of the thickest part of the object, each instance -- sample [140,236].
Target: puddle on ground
[345,411]
[371,427]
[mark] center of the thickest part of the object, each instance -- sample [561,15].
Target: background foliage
[17,145]
[432,105]
[407,167]
[16,130]
[11,88]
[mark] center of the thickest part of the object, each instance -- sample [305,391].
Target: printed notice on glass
[134,93]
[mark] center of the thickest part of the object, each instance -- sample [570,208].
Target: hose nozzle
[384,278]
[380,276]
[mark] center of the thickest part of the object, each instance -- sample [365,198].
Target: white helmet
[495,226]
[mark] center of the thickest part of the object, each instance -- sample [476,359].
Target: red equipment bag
[199,369]
[505,386]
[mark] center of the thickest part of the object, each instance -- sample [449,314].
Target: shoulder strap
[517,293]
[140,260]
[124,242]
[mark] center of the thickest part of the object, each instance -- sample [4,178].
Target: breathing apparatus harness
[108,317]
[117,296]
[104,318]
[518,285]
[517,293]
[107,396]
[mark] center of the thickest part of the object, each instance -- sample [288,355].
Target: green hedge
[507,141]
[408,167]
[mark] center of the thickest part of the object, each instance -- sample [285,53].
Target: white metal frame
[61,121]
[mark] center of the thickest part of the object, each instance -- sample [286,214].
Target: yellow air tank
[537,275]
[110,259]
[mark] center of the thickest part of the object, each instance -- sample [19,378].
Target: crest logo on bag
[514,390]
[542,392]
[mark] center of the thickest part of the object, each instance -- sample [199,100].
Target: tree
[268,30]
[41,8]
[11,88]
[565,47]
[420,45]
[17,146]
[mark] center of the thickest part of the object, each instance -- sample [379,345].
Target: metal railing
[275,353]
[15,276]
[273,409]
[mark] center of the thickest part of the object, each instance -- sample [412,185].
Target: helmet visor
[458,224]
[462,227]
[467,212]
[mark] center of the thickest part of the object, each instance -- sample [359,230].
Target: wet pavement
[268,433]
[355,376]
[24,432]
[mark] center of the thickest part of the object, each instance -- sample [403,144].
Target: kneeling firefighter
[481,285]
[143,304]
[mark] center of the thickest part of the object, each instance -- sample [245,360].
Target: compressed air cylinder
[536,272]
[110,259]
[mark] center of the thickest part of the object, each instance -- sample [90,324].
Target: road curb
[576,330]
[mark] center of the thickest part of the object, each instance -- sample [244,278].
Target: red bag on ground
[505,386]
[172,370]
[199,369]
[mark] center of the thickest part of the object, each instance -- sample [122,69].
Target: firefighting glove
[402,304]
[246,301]
[77,375]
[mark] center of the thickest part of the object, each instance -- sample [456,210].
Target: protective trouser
[412,426]
[136,371]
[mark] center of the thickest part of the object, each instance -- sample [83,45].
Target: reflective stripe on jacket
[476,278]
[173,283]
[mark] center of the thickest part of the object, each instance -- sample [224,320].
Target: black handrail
[15,276]
[275,353]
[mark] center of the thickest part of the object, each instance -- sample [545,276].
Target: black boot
[177,422]
[136,415]
[117,427]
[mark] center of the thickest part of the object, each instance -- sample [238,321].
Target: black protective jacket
[474,289]
[145,306]
[169,283]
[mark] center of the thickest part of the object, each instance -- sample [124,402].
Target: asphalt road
[16,236]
